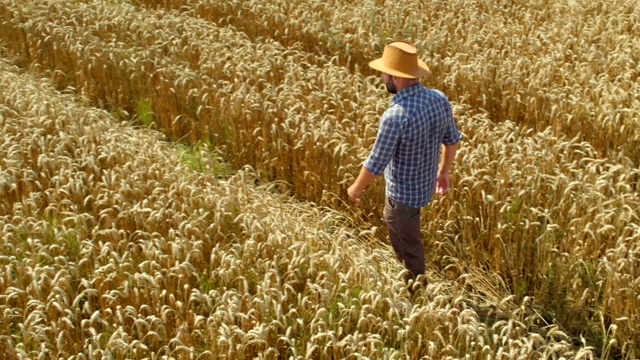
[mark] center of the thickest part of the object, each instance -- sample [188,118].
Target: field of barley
[173,180]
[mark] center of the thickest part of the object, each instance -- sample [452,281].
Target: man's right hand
[354,193]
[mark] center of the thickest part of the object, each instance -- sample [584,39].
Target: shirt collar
[411,90]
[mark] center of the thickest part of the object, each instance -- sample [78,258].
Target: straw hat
[400,58]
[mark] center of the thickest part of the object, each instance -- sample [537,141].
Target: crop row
[571,65]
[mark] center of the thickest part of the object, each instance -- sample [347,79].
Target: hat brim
[421,71]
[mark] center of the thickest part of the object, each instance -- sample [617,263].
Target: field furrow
[264,105]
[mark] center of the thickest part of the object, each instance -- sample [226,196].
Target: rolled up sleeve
[385,146]
[452,135]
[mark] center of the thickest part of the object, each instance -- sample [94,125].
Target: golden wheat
[179,265]
[544,211]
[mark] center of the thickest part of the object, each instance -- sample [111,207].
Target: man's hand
[362,181]
[354,193]
[443,183]
[447,162]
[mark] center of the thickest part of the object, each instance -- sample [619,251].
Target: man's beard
[391,87]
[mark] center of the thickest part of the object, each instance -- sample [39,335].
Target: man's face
[388,82]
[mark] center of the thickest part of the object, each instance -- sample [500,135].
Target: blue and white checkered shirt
[408,146]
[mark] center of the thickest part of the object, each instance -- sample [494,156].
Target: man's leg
[403,223]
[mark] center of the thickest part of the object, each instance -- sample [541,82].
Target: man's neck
[401,85]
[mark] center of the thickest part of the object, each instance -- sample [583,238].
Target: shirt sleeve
[386,143]
[452,134]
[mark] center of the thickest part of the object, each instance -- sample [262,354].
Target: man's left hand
[443,183]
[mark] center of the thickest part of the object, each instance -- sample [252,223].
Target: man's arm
[445,167]
[362,181]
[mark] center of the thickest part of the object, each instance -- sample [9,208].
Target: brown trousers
[403,223]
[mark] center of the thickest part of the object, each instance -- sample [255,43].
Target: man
[407,150]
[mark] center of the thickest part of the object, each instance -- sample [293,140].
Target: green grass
[145,113]
[202,158]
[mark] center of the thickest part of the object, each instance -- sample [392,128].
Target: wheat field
[173,181]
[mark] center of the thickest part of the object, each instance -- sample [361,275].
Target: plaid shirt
[408,146]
